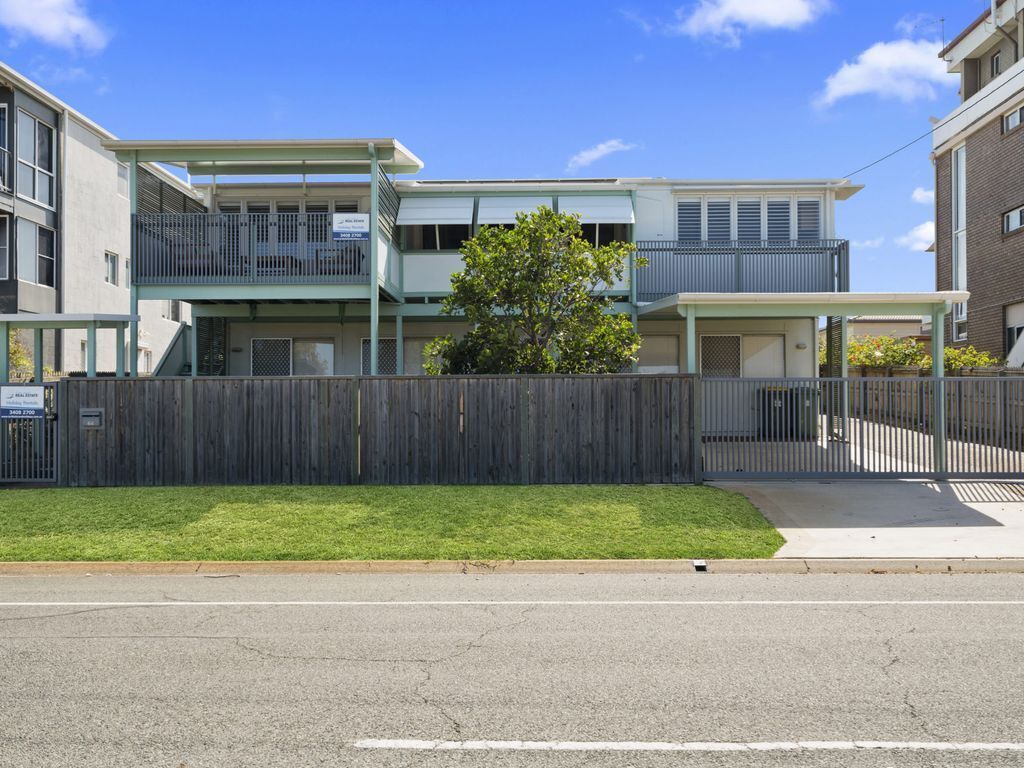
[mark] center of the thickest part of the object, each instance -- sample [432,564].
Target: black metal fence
[29,444]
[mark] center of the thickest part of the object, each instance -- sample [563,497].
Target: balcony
[742,266]
[244,249]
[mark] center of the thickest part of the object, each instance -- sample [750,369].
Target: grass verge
[381,523]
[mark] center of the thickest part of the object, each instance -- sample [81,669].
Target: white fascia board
[980,39]
[994,98]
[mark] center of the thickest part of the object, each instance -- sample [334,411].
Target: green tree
[533,297]
[19,358]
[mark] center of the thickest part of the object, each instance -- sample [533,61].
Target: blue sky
[685,88]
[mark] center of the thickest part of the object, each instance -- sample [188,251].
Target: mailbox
[90,418]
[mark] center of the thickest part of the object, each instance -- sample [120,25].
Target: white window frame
[5,247]
[995,65]
[1014,114]
[36,169]
[4,133]
[252,346]
[111,268]
[958,255]
[1009,216]
[122,168]
[39,255]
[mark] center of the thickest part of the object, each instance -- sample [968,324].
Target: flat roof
[843,188]
[66,320]
[255,157]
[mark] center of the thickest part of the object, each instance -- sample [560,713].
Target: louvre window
[719,220]
[748,219]
[688,220]
[778,220]
[808,219]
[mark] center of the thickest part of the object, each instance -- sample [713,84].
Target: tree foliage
[889,351]
[533,296]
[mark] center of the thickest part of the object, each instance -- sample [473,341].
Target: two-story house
[738,274]
[978,151]
[65,229]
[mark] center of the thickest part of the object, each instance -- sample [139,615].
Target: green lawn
[388,523]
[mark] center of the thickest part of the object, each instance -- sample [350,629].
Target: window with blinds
[748,219]
[688,220]
[808,219]
[778,219]
[719,220]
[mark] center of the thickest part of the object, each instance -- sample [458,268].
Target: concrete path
[892,518]
[508,670]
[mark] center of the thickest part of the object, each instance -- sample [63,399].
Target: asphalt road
[345,670]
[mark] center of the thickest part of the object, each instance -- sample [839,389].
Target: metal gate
[28,443]
[862,427]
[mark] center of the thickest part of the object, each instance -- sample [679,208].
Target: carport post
[119,355]
[939,391]
[844,373]
[691,338]
[90,350]
[37,355]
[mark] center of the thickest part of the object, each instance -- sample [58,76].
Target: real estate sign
[351,226]
[22,402]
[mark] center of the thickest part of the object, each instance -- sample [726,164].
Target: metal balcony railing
[243,249]
[742,266]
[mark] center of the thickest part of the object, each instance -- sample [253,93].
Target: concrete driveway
[892,518]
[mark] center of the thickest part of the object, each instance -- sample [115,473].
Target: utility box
[788,413]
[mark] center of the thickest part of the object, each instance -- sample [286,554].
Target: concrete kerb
[571,567]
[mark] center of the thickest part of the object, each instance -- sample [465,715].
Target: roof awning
[259,157]
[435,210]
[812,304]
[503,210]
[598,209]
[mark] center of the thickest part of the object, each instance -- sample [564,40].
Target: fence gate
[28,433]
[862,427]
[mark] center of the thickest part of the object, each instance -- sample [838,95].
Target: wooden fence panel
[388,430]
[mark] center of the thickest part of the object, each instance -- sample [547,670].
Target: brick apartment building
[979,184]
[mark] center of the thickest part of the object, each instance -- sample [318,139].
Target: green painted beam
[37,355]
[5,352]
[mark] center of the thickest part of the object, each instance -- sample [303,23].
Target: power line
[926,135]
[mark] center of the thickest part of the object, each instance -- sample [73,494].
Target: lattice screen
[720,356]
[387,357]
[271,357]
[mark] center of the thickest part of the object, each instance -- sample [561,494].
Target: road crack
[887,669]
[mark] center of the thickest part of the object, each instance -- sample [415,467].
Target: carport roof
[802,304]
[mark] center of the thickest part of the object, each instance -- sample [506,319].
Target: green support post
[844,373]
[133,327]
[939,393]
[193,348]
[119,353]
[37,355]
[5,352]
[399,344]
[374,289]
[90,350]
[691,338]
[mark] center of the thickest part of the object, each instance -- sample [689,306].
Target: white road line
[684,746]
[429,603]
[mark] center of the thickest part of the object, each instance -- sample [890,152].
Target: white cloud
[62,23]
[727,20]
[903,69]
[586,157]
[923,196]
[920,238]
[875,242]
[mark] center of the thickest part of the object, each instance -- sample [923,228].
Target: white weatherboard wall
[430,273]
[97,220]
[795,331]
